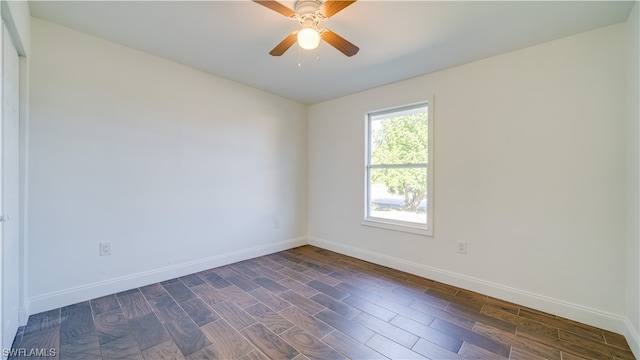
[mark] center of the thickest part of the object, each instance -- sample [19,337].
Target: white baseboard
[78,294]
[633,338]
[604,320]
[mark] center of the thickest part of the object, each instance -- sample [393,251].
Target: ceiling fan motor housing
[305,8]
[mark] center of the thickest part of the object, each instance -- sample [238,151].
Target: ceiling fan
[309,13]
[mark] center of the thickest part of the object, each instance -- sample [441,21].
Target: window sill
[408,228]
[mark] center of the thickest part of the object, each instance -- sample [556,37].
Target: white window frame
[398,225]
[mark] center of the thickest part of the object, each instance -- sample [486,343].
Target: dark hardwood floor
[309,303]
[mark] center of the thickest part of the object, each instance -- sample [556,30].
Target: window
[399,169]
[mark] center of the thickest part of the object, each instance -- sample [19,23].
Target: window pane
[399,138]
[399,194]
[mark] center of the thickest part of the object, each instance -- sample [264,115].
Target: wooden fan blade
[277,7]
[332,7]
[284,44]
[339,43]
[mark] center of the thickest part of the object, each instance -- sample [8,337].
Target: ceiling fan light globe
[308,38]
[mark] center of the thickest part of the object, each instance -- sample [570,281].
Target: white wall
[633,181]
[529,171]
[179,170]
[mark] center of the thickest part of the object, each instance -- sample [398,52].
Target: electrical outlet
[276,224]
[105,248]
[462,247]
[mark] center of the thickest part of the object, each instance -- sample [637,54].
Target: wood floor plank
[406,311]
[153,291]
[321,268]
[81,347]
[328,290]
[520,354]
[306,322]
[390,295]
[437,337]
[521,322]
[468,303]
[242,269]
[191,280]
[602,348]
[569,356]
[255,355]
[237,296]
[268,263]
[514,341]
[164,351]
[208,294]
[224,271]
[242,282]
[233,314]
[42,321]
[269,318]
[387,330]
[216,280]
[199,312]
[167,308]
[295,275]
[269,343]
[298,287]
[471,351]
[358,291]
[433,351]
[148,331]
[502,305]
[291,265]
[443,288]
[369,308]
[391,349]
[339,307]
[104,304]
[134,305]
[349,347]
[339,322]
[269,274]
[276,303]
[44,339]
[309,346]
[321,277]
[75,320]
[562,345]
[418,283]
[111,325]
[482,318]
[421,296]
[227,343]
[434,312]
[179,291]
[579,329]
[187,336]
[124,348]
[300,301]
[615,339]
[270,285]
[284,256]
[472,338]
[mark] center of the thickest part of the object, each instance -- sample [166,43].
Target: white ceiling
[397,39]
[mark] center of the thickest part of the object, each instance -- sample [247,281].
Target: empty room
[320,179]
